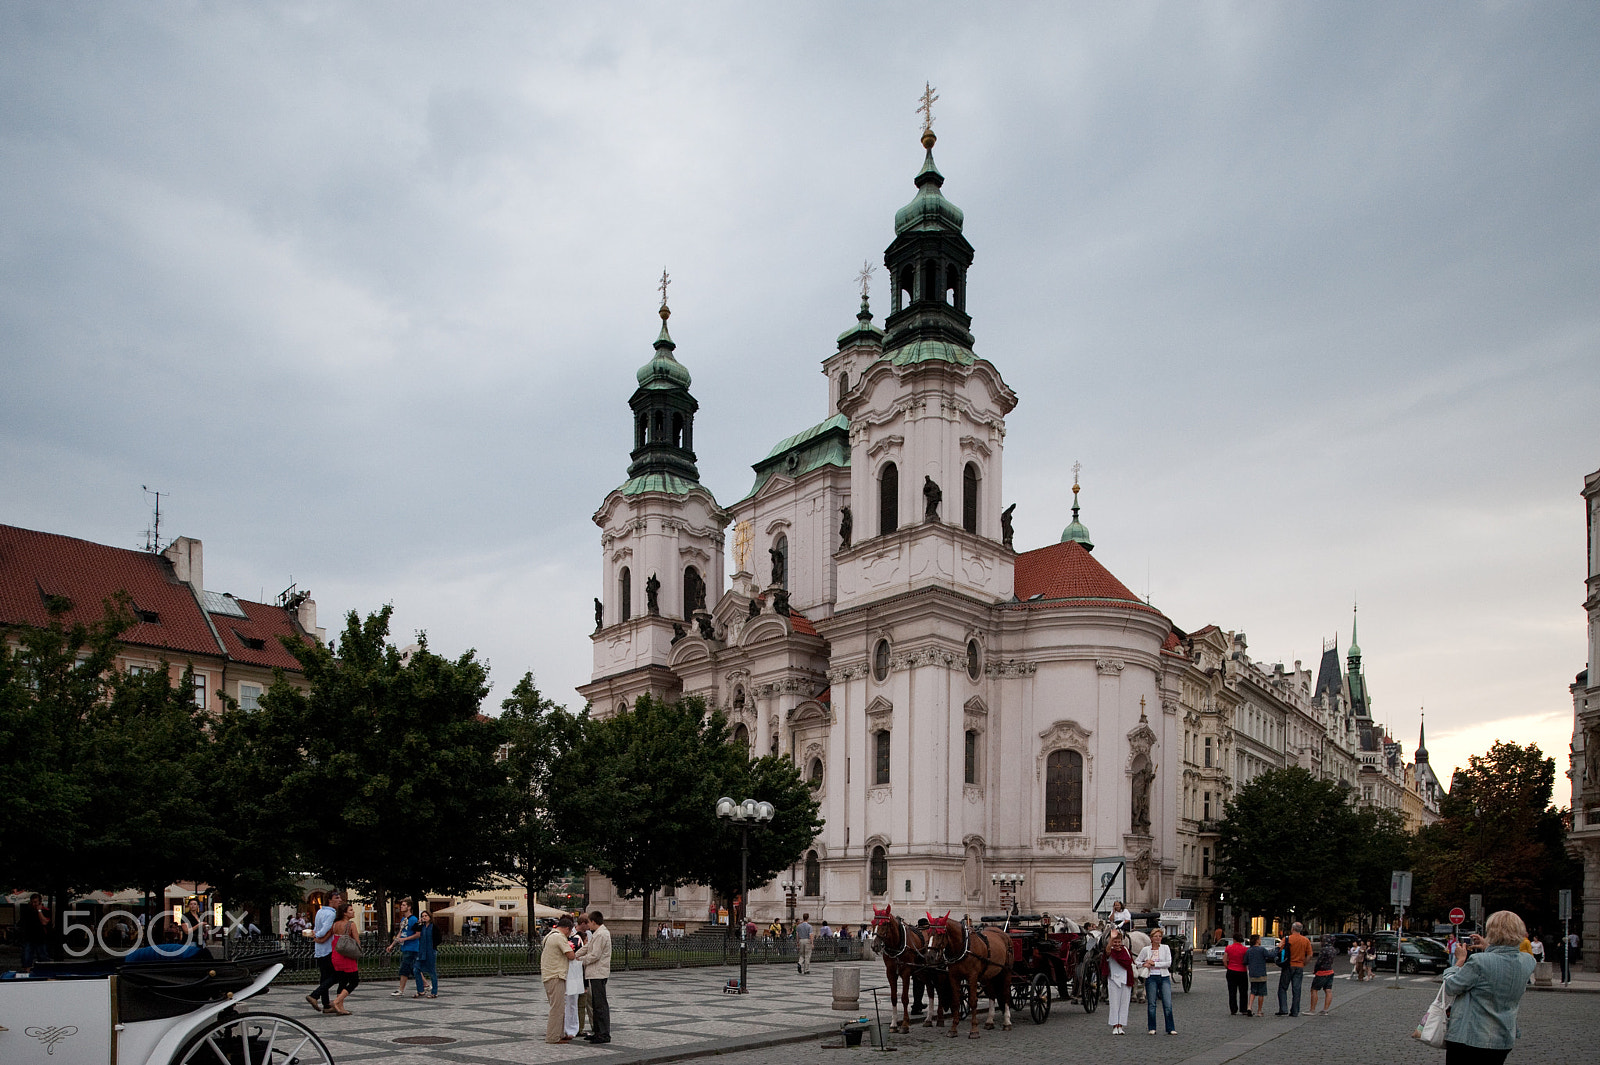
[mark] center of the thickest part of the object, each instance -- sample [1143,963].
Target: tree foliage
[774,847]
[1287,842]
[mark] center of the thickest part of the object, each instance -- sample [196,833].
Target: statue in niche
[931,498]
[704,621]
[846,523]
[1143,777]
[652,596]
[700,595]
[677,632]
[755,606]
[599,615]
[780,602]
[780,566]
[1591,752]
[1005,525]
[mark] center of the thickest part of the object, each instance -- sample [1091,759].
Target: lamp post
[744,814]
[791,891]
[1010,885]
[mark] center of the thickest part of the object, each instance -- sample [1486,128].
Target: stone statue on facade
[652,596]
[755,606]
[1143,777]
[780,602]
[780,566]
[678,632]
[599,615]
[846,523]
[931,498]
[1005,525]
[704,621]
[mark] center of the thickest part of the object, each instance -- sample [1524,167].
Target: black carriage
[1042,963]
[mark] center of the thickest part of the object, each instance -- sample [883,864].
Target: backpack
[1283,952]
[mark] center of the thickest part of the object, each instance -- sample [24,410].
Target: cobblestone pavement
[676,1014]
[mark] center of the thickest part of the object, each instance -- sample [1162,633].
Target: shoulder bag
[347,945]
[1431,1030]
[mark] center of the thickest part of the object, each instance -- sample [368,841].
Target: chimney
[186,557]
[306,615]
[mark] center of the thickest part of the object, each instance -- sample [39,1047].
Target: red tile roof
[265,624]
[1065,574]
[801,624]
[34,565]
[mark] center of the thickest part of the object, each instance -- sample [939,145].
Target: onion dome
[663,370]
[928,209]
[1077,532]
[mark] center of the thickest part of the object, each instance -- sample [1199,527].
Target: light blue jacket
[1488,989]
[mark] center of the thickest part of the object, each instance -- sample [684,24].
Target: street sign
[1565,904]
[1400,887]
[1475,907]
[1110,883]
[1457,915]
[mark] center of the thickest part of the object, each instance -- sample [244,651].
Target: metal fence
[512,955]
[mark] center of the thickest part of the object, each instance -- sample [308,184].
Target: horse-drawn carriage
[156,1013]
[1041,963]
[1177,927]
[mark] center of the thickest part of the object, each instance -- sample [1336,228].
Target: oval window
[880,662]
[974,659]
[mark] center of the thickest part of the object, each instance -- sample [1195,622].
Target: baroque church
[963,709]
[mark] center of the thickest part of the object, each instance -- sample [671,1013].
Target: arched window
[813,874]
[694,591]
[879,872]
[950,295]
[972,756]
[781,546]
[1063,792]
[974,659]
[888,499]
[930,280]
[638,432]
[625,593]
[677,430]
[844,385]
[969,497]
[880,756]
[658,428]
[741,737]
[880,661]
[622,706]
[814,774]
[906,287]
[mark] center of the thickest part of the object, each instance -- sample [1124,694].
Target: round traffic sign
[1457,915]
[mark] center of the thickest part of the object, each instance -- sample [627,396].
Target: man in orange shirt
[1299,951]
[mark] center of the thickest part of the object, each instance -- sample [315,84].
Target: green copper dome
[664,371]
[928,209]
[1077,531]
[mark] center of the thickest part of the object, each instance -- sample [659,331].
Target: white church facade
[962,709]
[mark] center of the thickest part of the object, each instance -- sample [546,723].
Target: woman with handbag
[1156,963]
[346,955]
[1487,985]
[427,954]
[1117,968]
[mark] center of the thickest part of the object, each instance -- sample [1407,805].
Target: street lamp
[744,814]
[1010,885]
[791,891]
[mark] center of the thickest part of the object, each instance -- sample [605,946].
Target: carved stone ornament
[880,714]
[1140,741]
[885,442]
[1109,667]
[1011,668]
[845,673]
[813,750]
[973,793]
[1141,866]
[879,794]
[1063,844]
[974,716]
[1066,735]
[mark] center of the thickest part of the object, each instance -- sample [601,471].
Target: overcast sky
[1309,289]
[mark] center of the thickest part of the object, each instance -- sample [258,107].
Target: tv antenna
[152,535]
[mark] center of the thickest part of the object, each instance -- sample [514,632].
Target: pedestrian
[1255,965]
[1216,936]
[1238,982]
[35,932]
[803,943]
[346,968]
[1117,968]
[405,937]
[1538,951]
[596,958]
[775,930]
[1293,954]
[427,954]
[1488,986]
[322,950]
[573,990]
[1322,976]
[826,933]
[553,958]
[1121,918]
[1156,961]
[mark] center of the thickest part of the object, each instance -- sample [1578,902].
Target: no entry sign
[1457,915]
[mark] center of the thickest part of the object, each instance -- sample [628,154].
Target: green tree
[398,790]
[1286,843]
[538,735]
[1382,845]
[795,824]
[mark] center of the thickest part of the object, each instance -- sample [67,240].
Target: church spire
[1077,531]
[1354,654]
[1422,740]
[663,412]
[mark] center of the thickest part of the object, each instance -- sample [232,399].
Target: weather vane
[865,277]
[665,281]
[926,108]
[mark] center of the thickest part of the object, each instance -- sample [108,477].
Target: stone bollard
[847,987]
[1542,974]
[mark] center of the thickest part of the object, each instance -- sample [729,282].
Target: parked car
[1342,941]
[1416,955]
[1216,955]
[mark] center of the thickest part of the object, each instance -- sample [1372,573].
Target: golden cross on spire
[1076,466]
[665,281]
[865,277]
[926,108]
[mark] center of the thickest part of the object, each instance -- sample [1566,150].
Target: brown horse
[981,958]
[902,948]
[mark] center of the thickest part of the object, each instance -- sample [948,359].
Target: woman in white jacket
[1155,961]
[1119,974]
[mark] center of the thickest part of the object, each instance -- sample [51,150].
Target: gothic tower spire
[663,411]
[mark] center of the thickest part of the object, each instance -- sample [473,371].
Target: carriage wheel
[1188,977]
[1091,990]
[1038,998]
[254,1039]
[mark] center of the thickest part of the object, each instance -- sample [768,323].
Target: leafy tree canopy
[1286,843]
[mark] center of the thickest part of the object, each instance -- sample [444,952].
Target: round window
[974,659]
[880,662]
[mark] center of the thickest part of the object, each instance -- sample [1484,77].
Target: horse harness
[905,942]
[966,951]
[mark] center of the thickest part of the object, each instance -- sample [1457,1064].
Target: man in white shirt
[596,958]
[803,943]
[322,950]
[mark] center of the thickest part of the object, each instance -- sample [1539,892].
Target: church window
[659,428]
[781,546]
[813,874]
[1063,792]
[971,756]
[880,756]
[814,774]
[622,706]
[1208,752]
[677,430]
[969,497]
[638,431]
[930,280]
[888,499]
[694,591]
[880,662]
[878,871]
[974,659]
[741,737]
[844,385]
[906,287]
[625,593]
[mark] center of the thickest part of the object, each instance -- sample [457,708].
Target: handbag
[348,945]
[574,977]
[1434,1022]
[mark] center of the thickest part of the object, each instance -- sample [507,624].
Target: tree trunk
[644,921]
[380,899]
